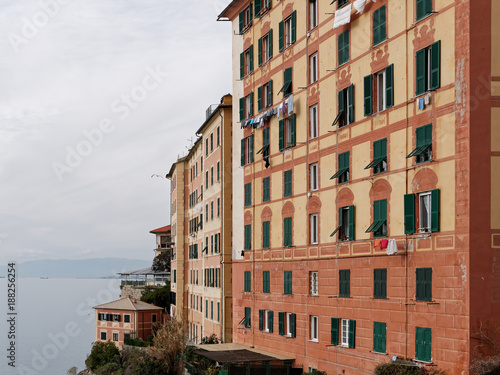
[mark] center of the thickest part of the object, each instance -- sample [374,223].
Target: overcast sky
[96,96]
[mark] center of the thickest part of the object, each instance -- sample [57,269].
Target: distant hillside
[81,268]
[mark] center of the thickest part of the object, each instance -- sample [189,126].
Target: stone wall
[132,291]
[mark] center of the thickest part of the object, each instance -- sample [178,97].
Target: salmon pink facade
[366,181]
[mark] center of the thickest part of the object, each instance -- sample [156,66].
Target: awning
[235,353]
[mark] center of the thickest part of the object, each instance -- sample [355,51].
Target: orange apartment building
[201,229]
[126,317]
[366,184]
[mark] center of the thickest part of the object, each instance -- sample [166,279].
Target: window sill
[314,340]
[344,63]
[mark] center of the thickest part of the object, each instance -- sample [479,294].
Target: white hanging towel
[342,16]
[359,5]
[199,207]
[392,247]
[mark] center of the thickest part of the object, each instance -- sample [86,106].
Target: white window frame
[313,67]
[288,32]
[313,283]
[380,79]
[313,225]
[265,48]
[267,314]
[422,215]
[117,336]
[289,324]
[344,230]
[265,96]
[247,16]
[314,328]
[313,14]
[248,100]
[288,132]
[246,62]
[313,177]
[313,121]
[344,332]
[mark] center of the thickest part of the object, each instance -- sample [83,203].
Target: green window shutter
[212,310]
[281,323]
[379,337]
[251,103]
[350,92]
[435,210]
[242,65]
[247,284]
[427,134]
[368,94]
[380,283]
[428,6]
[271,321]
[257,6]
[287,232]
[382,31]
[242,109]
[265,137]
[251,58]
[270,94]
[352,333]
[281,136]
[261,320]
[288,282]
[259,99]
[242,21]
[265,234]
[216,245]
[435,70]
[270,38]
[420,134]
[389,85]
[280,40]
[409,206]
[250,156]
[259,44]
[351,223]
[218,311]
[294,26]
[421,11]
[248,239]
[248,316]
[288,184]
[266,194]
[334,340]
[288,76]
[292,129]
[427,344]
[242,158]
[342,106]
[265,282]
[421,63]
[423,341]
[292,324]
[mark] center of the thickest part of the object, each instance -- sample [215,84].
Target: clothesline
[282,109]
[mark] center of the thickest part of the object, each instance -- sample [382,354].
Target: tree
[161,262]
[158,297]
[102,353]
[170,343]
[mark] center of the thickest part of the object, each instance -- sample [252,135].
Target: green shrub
[136,342]
[101,354]
[401,368]
[210,339]
[158,297]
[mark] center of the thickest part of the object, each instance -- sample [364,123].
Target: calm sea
[54,324]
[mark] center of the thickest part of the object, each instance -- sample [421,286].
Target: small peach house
[126,317]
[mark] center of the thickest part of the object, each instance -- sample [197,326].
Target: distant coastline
[94,268]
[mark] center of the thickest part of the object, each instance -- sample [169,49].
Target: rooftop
[128,304]
[161,230]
